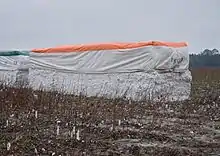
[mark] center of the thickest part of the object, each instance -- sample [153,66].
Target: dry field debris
[43,123]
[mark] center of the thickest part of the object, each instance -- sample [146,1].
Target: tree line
[205,59]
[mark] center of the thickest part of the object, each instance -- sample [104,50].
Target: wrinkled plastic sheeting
[142,59]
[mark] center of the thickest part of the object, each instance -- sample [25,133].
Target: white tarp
[146,72]
[114,61]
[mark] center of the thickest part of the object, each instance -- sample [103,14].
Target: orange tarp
[107,46]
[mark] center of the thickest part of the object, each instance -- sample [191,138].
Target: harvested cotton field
[48,123]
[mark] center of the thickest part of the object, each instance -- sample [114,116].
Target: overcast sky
[28,24]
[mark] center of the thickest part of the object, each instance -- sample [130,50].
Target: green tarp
[14,53]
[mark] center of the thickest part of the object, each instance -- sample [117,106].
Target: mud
[42,123]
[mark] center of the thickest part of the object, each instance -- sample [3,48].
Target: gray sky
[28,24]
